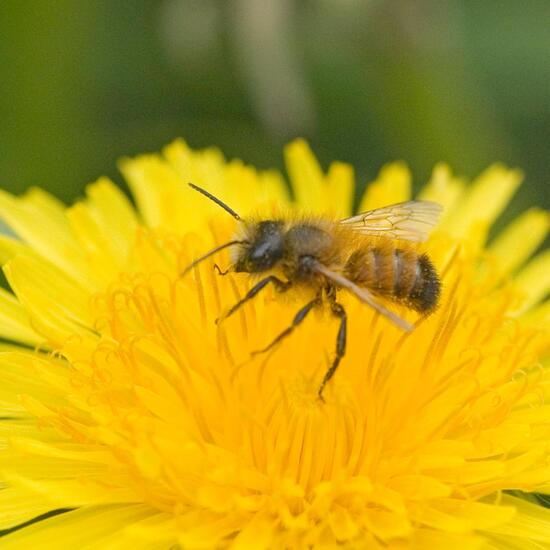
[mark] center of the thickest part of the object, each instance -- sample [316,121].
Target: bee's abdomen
[400,275]
[424,296]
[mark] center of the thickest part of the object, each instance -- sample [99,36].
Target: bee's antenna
[216,200]
[208,254]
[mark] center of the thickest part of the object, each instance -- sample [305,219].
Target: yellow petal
[387,525]
[205,167]
[533,282]
[18,505]
[520,239]
[24,470]
[26,427]
[85,489]
[75,452]
[275,187]
[538,315]
[86,527]
[115,215]
[48,236]
[484,201]
[462,516]
[148,178]
[432,539]
[59,306]
[95,243]
[19,376]
[163,196]
[10,247]
[14,321]
[306,177]
[159,530]
[258,534]
[341,184]
[530,522]
[443,188]
[392,185]
[205,532]
[419,487]
[49,205]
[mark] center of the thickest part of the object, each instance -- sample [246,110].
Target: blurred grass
[84,83]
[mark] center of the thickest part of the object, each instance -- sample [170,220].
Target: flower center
[193,420]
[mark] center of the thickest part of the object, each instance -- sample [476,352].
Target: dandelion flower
[125,405]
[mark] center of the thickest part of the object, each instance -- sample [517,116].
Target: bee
[370,255]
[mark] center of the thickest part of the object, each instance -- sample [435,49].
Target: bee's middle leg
[298,318]
[338,311]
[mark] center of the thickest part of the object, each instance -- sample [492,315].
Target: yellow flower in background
[124,401]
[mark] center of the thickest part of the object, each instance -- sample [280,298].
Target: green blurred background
[83,83]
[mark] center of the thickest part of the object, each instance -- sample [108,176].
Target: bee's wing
[363,294]
[411,220]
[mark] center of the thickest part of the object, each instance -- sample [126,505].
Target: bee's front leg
[298,318]
[281,286]
[219,270]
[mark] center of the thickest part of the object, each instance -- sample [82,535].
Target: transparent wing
[364,295]
[411,221]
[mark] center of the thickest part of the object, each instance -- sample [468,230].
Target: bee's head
[263,250]
[259,251]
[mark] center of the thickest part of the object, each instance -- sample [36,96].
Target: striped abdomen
[400,275]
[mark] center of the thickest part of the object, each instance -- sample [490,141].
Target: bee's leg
[220,272]
[281,286]
[338,311]
[298,318]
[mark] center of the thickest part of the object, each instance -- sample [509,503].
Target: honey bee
[370,255]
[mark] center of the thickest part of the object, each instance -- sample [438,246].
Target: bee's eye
[265,250]
[264,256]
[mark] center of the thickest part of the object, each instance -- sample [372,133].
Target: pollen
[125,402]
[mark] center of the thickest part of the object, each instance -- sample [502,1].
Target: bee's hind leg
[338,311]
[298,318]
